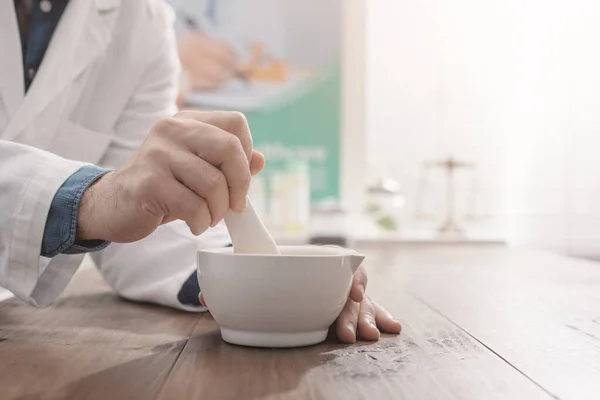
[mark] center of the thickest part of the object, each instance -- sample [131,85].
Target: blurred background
[463,121]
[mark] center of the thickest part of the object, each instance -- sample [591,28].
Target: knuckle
[233,144]
[171,129]
[351,308]
[353,313]
[157,154]
[367,306]
[191,136]
[245,181]
[361,275]
[237,119]
[202,209]
[365,277]
[184,114]
[369,318]
[368,314]
[194,208]
[187,203]
[214,178]
[167,125]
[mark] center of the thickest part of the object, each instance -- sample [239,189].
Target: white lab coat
[110,71]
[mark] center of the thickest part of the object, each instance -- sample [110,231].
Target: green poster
[307,128]
[290,90]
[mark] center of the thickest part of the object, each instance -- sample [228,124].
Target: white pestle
[248,234]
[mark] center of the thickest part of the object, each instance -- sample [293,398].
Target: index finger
[231,121]
[359,285]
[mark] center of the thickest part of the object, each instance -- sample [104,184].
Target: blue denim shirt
[60,232]
[36,31]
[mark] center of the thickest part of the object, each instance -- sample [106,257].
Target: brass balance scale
[450,226]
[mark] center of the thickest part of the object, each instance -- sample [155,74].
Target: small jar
[384,203]
[329,225]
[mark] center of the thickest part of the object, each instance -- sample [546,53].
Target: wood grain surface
[540,312]
[432,359]
[89,345]
[479,323]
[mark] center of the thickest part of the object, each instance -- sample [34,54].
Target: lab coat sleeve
[155,268]
[29,179]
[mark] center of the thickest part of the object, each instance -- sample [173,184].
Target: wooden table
[479,323]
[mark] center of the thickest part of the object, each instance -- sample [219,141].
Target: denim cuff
[60,231]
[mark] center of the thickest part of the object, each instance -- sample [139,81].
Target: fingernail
[351,327]
[353,335]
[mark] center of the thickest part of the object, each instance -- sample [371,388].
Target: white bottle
[278,200]
[298,196]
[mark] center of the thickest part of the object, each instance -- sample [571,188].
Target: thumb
[257,162]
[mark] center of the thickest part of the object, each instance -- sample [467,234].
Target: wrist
[89,213]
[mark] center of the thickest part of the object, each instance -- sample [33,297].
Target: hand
[193,167]
[361,317]
[208,62]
